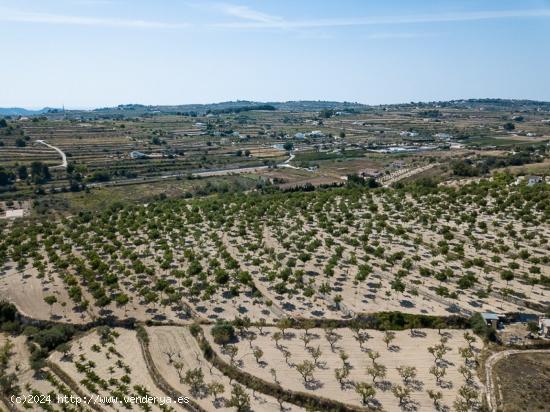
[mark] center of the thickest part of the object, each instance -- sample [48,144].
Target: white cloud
[272,22]
[390,35]
[253,19]
[246,13]
[59,19]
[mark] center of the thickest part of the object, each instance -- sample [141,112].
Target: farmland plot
[175,352]
[288,353]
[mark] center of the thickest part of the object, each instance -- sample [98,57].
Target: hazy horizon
[91,108]
[87,54]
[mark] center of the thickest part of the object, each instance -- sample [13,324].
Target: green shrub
[223,332]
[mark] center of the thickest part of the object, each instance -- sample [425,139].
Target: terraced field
[331,273]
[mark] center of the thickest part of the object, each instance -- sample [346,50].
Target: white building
[533,180]
[544,325]
[316,133]
[138,155]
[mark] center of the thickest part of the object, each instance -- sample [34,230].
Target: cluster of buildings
[312,134]
[498,321]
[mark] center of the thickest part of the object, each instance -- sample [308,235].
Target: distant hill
[238,106]
[235,106]
[19,111]
[486,104]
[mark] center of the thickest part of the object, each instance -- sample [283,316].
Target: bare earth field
[523,382]
[262,230]
[403,351]
[114,368]
[182,347]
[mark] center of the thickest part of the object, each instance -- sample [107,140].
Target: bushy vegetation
[523,155]
[480,327]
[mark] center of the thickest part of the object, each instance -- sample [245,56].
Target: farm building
[316,133]
[138,155]
[533,180]
[544,325]
[493,319]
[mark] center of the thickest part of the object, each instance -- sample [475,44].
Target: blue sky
[90,53]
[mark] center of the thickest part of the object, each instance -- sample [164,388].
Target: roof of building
[490,316]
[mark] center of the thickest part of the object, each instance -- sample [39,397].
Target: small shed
[492,319]
[533,180]
[544,325]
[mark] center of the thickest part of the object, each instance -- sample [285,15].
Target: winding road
[58,150]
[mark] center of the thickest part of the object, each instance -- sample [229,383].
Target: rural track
[490,386]
[161,382]
[63,164]
[203,173]
[408,173]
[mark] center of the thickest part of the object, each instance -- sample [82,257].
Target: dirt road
[58,150]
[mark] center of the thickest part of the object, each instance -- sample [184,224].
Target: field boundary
[253,382]
[159,380]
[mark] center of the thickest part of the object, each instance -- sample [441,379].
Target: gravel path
[58,150]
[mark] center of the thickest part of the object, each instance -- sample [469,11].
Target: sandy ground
[129,354]
[408,351]
[265,245]
[178,340]
[27,292]
[28,381]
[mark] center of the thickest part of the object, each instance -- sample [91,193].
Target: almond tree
[470,339]
[306,369]
[361,338]
[366,391]
[273,373]
[195,379]
[407,373]
[262,323]
[466,373]
[373,356]
[239,399]
[316,354]
[344,357]
[436,397]
[251,337]
[50,300]
[401,393]
[215,389]
[438,373]
[377,371]
[467,398]
[306,339]
[231,351]
[389,336]
[178,366]
[171,354]
[277,336]
[307,325]
[283,325]
[332,338]
[258,353]
[340,374]
[287,355]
